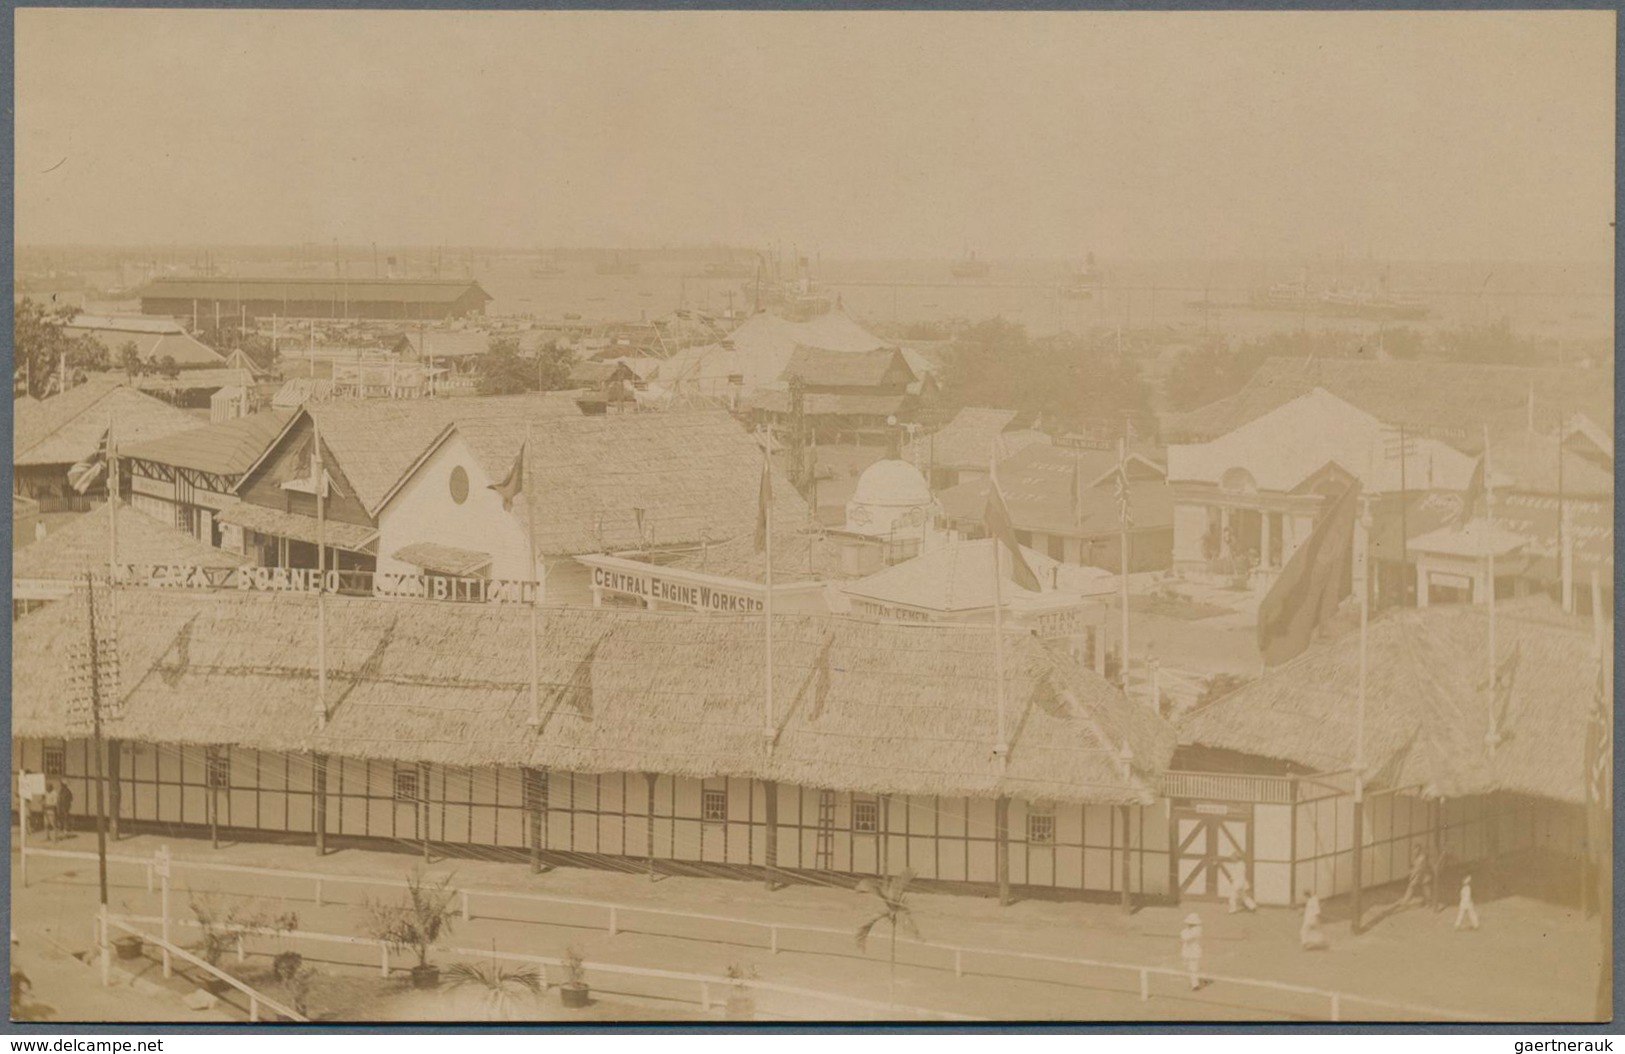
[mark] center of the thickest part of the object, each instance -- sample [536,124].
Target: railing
[616,914]
[1220,786]
[707,983]
[256,999]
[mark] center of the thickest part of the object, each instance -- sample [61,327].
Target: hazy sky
[1408,135]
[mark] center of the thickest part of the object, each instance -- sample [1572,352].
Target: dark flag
[1311,584]
[999,524]
[764,502]
[84,474]
[1472,495]
[513,483]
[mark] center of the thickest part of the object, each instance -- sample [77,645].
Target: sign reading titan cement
[688,594]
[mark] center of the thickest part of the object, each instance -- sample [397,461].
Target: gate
[1214,844]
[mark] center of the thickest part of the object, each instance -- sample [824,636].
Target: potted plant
[574,991]
[128,946]
[418,924]
[741,1005]
[499,987]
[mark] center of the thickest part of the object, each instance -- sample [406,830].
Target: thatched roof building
[67,428]
[81,545]
[885,709]
[1427,704]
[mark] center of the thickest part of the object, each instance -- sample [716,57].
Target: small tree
[168,367]
[420,922]
[129,357]
[554,361]
[221,926]
[892,892]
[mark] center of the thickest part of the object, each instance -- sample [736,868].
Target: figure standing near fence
[1310,935]
[64,808]
[52,800]
[1241,891]
[1190,948]
[1465,909]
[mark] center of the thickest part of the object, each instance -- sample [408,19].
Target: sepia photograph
[790,518]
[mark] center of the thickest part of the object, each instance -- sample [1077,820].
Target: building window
[865,817]
[714,806]
[217,768]
[55,761]
[406,786]
[459,485]
[1041,828]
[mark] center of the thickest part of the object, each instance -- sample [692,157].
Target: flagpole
[1492,736]
[318,481]
[767,604]
[536,593]
[1122,541]
[1002,747]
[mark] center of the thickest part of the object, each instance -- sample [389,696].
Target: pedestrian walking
[49,807]
[1465,910]
[1310,935]
[1241,891]
[64,808]
[1190,948]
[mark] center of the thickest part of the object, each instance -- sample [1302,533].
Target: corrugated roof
[445,559]
[959,577]
[967,441]
[226,449]
[819,367]
[68,428]
[266,520]
[1037,488]
[370,290]
[176,343]
[861,706]
[1452,401]
[81,545]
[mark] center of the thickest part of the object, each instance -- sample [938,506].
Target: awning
[443,559]
[339,535]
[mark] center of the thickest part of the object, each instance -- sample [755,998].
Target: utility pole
[93,690]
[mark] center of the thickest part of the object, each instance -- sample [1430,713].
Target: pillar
[1264,538]
[319,795]
[1224,531]
[1128,899]
[651,777]
[533,810]
[1356,898]
[771,817]
[1001,847]
[115,750]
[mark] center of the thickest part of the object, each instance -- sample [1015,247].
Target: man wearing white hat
[1190,948]
[1466,911]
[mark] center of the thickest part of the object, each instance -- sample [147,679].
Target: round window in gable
[459,485]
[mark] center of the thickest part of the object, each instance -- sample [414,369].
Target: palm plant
[499,986]
[892,893]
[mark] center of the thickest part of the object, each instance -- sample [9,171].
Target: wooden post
[163,878]
[1356,899]
[1001,834]
[533,806]
[319,780]
[1128,899]
[113,796]
[651,777]
[771,790]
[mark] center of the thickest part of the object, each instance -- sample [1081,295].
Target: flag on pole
[84,474]
[999,524]
[1472,495]
[764,501]
[511,485]
[1125,515]
[1312,583]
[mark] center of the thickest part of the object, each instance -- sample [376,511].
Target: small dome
[891,484]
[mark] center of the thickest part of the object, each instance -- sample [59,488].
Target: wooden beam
[1001,847]
[1128,898]
[771,789]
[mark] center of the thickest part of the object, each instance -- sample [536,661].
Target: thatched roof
[878,708]
[267,520]
[695,474]
[81,545]
[1427,705]
[67,428]
[1450,400]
